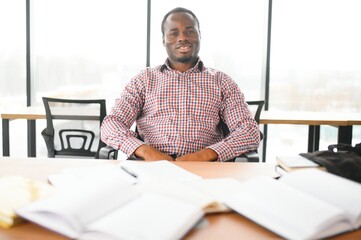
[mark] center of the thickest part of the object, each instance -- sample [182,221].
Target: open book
[162,177]
[112,208]
[166,178]
[305,204]
[130,171]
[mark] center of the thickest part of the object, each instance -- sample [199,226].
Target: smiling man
[178,106]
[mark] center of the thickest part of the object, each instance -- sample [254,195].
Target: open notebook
[304,204]
[112,208]
[162,177]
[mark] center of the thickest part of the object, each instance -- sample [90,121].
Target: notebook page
[70,210]
[284,210]
[338,191]
[219,188]
[184,191]
[160,169]
[150,216]
[70,176]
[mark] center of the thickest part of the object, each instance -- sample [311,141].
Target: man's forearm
[149,153]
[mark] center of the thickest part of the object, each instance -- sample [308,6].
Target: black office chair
[252,156]
[73,127]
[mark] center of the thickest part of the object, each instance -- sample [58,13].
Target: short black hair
[177,10]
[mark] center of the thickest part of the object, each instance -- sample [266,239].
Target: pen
[129,172]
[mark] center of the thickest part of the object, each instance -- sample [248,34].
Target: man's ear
[163,40]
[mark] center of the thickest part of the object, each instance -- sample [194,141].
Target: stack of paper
[296,162]
[17,191]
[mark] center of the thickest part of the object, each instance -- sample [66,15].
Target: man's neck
[182,67]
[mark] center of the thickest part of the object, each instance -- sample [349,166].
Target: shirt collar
[198,67]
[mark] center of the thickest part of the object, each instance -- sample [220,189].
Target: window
[13,64]
[315,66]
[85,49]
[91,49]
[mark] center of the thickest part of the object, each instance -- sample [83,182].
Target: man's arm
[115,129]
[244,130]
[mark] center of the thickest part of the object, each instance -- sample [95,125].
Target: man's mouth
[184,48]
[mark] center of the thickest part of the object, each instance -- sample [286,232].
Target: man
[177,106]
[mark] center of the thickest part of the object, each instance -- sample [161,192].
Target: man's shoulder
[224,80]
[148,72]
[216,72]
[211,70]
[152,69]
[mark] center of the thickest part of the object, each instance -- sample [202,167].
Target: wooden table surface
[267,117]
[216,226]
[310,118]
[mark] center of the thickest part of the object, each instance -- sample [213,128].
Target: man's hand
[149,153]
[204,155]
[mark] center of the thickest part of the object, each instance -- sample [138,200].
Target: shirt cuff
[130,145]
[223,150]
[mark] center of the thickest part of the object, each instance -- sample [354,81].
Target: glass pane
[356,135]
[13,68]
[233,34]
[85,49]
[315,64]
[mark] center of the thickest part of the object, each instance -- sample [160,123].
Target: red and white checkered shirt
[178,113]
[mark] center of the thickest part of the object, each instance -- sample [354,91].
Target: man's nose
[182,36]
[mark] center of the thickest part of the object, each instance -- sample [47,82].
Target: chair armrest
[251,156]
[108,152]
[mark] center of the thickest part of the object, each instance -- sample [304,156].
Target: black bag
[340,159]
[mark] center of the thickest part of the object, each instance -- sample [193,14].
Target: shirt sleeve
[244,130]
[115,129]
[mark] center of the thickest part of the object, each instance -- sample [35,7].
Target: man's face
[181,38]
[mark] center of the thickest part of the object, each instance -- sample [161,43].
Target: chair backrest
[258,105]
[73,126]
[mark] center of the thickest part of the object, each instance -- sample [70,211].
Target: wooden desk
[344,122]
[31,114]
[219,226]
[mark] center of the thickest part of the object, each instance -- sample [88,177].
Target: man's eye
[191,33]
[173,34]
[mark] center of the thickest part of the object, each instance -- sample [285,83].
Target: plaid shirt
[178,113]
